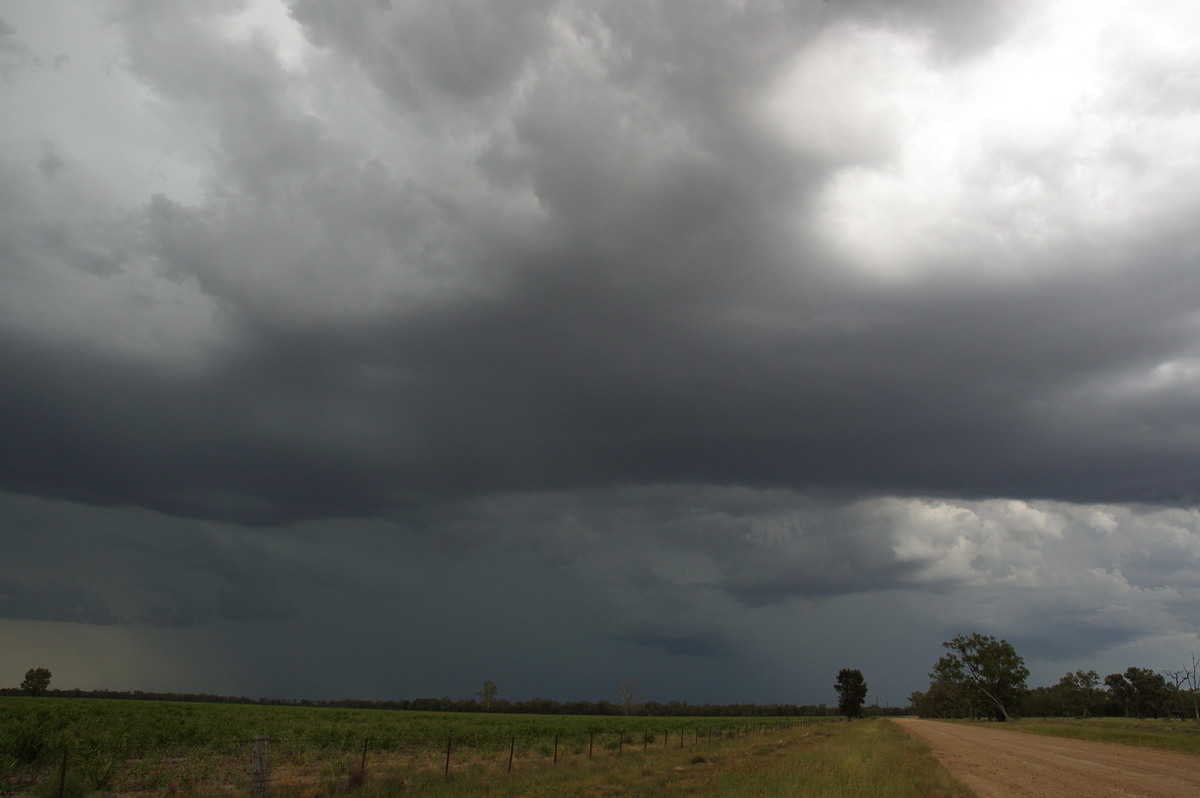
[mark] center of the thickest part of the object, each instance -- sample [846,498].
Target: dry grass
[1165,735]
[827,760]
[314,758]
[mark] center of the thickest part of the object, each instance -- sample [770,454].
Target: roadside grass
[869,758]
[195,749]
[846,760]
[152,749]
[1165,735]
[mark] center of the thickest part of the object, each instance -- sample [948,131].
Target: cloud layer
[738,318]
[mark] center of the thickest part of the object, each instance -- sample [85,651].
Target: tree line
[982,677]
[537,706]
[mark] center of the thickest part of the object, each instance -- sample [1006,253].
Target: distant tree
[942,700]
[627,691]
[1140,692]
[1079,692]
[1044,702]
[1154,694]
[1121,693]
[852,691]
[1075,695]
[488,694]
[1187,687]
[986,669]
[37,680]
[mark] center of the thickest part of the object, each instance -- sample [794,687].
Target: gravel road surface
[995,763]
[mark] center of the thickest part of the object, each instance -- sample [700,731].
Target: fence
[263,765]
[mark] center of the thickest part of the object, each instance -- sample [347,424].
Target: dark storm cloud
[565,386]
[224,579]
[61,602]
[709,311]
[660,335]
[127,566]
[464,50]
[680,645]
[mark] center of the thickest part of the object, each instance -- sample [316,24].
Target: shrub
[28,745]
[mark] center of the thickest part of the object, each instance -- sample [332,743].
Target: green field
[1166,735]
[139,726]
[152,745]
[169,748]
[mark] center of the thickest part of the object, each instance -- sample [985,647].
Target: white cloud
[268,21]
[103,122]
[80,272]
[844,99]
[994,167]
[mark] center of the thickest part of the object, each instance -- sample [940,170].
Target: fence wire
[258,765]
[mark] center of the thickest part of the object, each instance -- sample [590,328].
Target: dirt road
[995,763]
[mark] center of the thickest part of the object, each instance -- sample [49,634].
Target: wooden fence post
[360,778]
[62,776]
[449,740]
[512,749]
[260,771]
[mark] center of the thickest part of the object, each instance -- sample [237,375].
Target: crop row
[137,746]
[136,727]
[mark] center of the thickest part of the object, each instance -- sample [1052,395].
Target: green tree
[1139,691]
[1044,702]
[942,700]
[37,680]
[488,694]
[985,669]
[1080,692]
[852,691]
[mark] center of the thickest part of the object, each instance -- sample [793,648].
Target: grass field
[129,746]
[829,759]
[165,748]
[140,726]
[1166,735]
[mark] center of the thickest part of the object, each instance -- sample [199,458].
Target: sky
[380,348]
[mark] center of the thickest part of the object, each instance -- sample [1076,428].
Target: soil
[998,763]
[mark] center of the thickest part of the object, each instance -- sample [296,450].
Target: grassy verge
[845,760]
[183,748]
[827,760]
[152,749]
[1165,735]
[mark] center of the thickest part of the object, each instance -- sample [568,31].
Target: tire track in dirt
[995,763]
